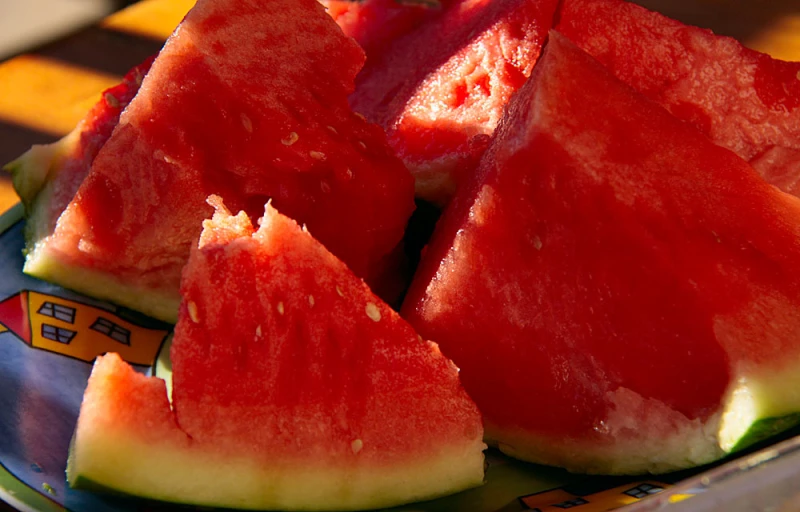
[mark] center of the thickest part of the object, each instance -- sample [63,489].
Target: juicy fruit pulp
[439,91]
[294,387]
[743,100]
[620,294]
[247,99]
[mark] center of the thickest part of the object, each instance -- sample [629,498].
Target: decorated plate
[49,338]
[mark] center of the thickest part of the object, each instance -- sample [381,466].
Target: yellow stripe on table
[781,39]
[150,18]
[47,95]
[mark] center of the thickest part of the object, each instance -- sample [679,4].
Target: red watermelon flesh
[47,176]
[247,99]
[294,387]
[743,100]
[439,91]
[620,294]
[374,24]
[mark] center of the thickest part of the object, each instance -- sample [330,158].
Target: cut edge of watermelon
[631,450]
[42,263]
[147,463]
[756,407]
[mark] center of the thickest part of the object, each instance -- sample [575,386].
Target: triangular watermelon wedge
[294,388]
[439,90]
[621,295]
[47,176]
[248,99]
[743,100]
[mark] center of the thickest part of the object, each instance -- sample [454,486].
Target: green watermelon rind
[763,429]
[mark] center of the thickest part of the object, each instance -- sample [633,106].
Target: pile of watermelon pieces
[613,285]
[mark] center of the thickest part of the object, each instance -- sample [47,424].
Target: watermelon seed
[310,300]
[333,130]
[339,291]
[798,75]
[111,100]
[258,331]
[160,155]
[317,155]
[360,116]
[325,187]
[290,139]
[192,308]
[247,123]
[349,174]
[537,243]
[362,145]
[373,312]
[280,308]
[357,445]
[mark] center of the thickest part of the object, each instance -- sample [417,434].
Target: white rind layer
[117,461]
[44,263]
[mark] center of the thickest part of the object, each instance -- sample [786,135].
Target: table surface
[44,93]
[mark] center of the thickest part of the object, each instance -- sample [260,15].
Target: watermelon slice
[248,99]
[294,387]
[439,91]
[621,295]
[376,23]
[743,100]
[47,176]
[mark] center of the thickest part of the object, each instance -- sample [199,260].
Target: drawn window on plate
[643,490]
[58,311]
[571,503]
[53,333]
[112,330]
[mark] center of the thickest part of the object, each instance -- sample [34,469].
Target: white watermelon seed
[247,123]
[339,291]
[360,116]
[349,174]
[258,331]
[290,139]
[373,312]
[362,145]
[192,308]
[317,155]
[280,308]
[332,129]
[537,243]
[357,445]
[325,187]
[310,300]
